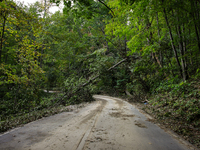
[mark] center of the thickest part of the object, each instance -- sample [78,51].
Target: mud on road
[106,124]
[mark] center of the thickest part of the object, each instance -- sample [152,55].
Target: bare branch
[107,7]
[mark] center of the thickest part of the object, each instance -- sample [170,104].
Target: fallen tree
[69,94]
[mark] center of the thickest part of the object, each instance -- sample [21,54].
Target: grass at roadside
[190,131]
[45,109]
[177,107]
[187,131]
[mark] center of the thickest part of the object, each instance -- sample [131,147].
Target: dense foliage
[158,39]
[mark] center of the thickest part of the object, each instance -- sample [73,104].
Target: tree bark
[179,33]
[128,93]
[2,36]
[195,24]
[107,7]
[184,71]
[172,42]
[185,51]
[160,52]
[45,8]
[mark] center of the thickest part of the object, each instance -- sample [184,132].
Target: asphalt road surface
[106,124]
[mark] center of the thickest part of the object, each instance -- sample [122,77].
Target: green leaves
[56,1]
[67,3]
[20,74]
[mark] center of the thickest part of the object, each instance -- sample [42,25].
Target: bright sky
[53,9]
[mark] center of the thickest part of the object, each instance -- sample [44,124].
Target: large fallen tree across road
[69,94]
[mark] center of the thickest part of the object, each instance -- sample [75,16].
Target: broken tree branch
[107,7]
[88,82]
[117,64]
[92,79]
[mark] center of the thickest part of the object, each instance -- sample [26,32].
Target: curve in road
[106,124]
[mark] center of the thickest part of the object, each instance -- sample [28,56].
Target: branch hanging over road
[89,81]
[107,7]
[117,64]
[69,94]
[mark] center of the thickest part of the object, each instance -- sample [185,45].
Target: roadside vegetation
[176,106]
[148,50]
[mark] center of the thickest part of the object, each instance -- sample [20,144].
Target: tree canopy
[142,48]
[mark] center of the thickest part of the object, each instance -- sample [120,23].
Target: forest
[139,49]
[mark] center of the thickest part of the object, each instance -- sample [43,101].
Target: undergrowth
[13,121]
[49,105]
[177,106]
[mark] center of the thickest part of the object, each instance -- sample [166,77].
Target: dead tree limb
[92,79]
[68,95]
[117,64]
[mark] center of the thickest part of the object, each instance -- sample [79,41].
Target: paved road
[106,124]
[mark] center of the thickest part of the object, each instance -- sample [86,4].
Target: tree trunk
[160,52]
[2,36]
[172,42]
[185,51]
[191,62]
[45,8]
[184,71]
[69,94]
[197,34]
[195,23]
[181,47]
[158,61]
[42,50]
